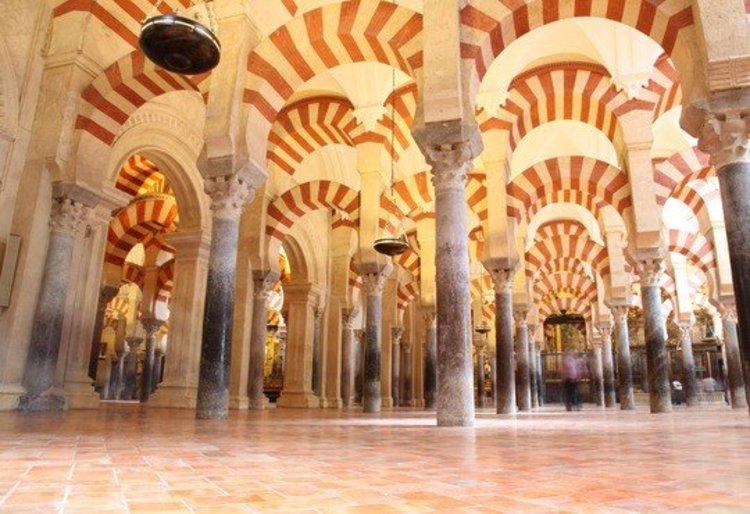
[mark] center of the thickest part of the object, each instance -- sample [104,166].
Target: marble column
[263,282]
[407,398]
[493,373]
[430,359]
[229,194]
[69,212]
[359,364]
[504,367]
[373,281]
[480,344]
[451,164]
[597,374]
[660,398]
[122,350]
[624,364]
[522,357]
[348,356]
[722,125]
[533,372]
[540,377]
[608,366]
[106,295]
[689,380]
[316,357]
[151,326]
[396,335]
[735,381]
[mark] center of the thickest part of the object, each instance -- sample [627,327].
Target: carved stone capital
[620,313]
[721,125]
[521,317]
[68,216]
[373,280]
[502,279]
[263,282]
[649,271]
[605,329]
[429,317]
[449,147]
[686,329]
[348,317]
[728,312]
[230,193]
[396,334]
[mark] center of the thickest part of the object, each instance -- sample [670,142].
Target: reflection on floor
[128,458]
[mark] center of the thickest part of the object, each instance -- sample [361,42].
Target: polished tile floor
[125,458]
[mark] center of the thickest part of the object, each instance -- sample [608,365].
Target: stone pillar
[407,396]
[263,282]
[450,166]
[608,366]
[430,359]
[122,351]
[69,211]
[540,377]
[522,357]
[348,356]
[151,326]
[106,295]
[493,372]
[373,281]
[597,374]
[660,398]
[735,381]
[396,334]
[302,299]
[229,194]
[359,364]
[480,346]
[533,372]
[504,369]
[722,125]
[316,357]
[689,380]
[624,364]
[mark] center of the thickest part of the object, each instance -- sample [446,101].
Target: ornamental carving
[68,216]
[229,194]
[650,271]
[502,279]
[724,136]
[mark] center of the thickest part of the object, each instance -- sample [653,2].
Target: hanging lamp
[392,246]
[180,44]
[482,329]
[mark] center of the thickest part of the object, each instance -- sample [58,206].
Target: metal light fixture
[180,44]
[482,329]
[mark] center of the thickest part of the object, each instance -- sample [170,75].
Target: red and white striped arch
[409,260]
[569,304]
[401,106]
[132,274]
[679,169]
[108,102]
[165,281]
[139,222]
[489,26]
[405,293]
[697,248]
[307,197]
[579,247]
[577,179]
[332,35]
[565,265]
[355,281]
[141,176]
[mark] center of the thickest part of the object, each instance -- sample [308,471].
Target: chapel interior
[374,256]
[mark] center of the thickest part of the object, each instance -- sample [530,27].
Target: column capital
[605,329]
[520,314]
[429,314]
[649,270]
[374,277]
[396,334]
[685,327]
[501,274]
[348,317]
[450,147]
[68,215]
[722,126]
[728,311]
[263,282]
[620,312]
[229,193]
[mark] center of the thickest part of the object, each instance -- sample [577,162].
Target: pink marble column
[624,363]
[610,399]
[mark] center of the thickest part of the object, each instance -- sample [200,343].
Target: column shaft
[735,381]
[624,364]
[608,368]
[690,382]
[504,369]
[151,325]
[407,398]
[656,348]
[534,374]
[396,333]
[522,358]
[347,358]
[371,398]
[597,377]
[262,284]
[430,361]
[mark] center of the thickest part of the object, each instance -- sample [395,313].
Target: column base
[50,400]
[331,403]
[298,400]
[258,403]
[387,402]
[175,397]
[81,395]
[239,402]
[9,396]
[418,403]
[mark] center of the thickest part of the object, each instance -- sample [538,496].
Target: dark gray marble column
[316,359]
[106,295]
[722,124]
[735,381]
[522,358]
[373,281]
[480,344]
[348,355]
[660,397]
[597,374]
[504,366]
[540,377]
[151,326]
[533,373]
[493,372]
[689,380]
[407,398]
[228,195]
[430,359]
[608,366]
[396,334]
[69,211]
[263,282]
[624,364]
[359,364]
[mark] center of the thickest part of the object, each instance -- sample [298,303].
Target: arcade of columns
[545,158]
